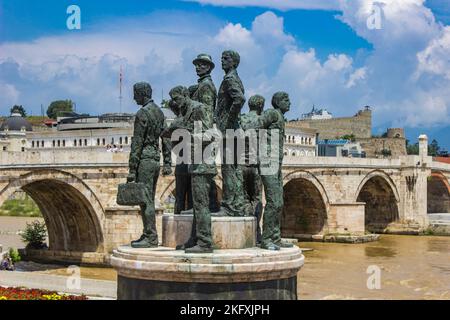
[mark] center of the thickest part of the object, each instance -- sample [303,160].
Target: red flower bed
[35,294]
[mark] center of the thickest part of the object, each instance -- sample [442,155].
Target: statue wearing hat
[205,92]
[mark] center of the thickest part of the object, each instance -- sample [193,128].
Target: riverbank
[10,228]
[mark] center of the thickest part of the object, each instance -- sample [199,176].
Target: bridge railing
[340,162]
[62,157]
[86,157]
[440,166]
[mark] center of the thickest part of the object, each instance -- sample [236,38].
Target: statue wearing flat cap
[205,92]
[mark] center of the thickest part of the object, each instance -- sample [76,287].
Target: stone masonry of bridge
[76,193]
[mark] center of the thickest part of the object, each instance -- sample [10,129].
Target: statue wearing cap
[205,92]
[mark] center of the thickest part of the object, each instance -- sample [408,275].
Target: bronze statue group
[196,190]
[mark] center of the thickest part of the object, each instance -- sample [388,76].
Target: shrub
[35,234]
[14,255]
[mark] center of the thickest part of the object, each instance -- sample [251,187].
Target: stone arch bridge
[76,193]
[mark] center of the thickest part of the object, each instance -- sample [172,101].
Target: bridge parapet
[61,157]
[441,166]
[341,162]
[95,157]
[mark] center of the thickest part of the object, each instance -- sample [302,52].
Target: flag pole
[120,90]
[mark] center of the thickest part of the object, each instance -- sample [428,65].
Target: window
[85,142]
[75,142]
[120,140]
[103,141]
[59,143]
[126,140]
[32,144]
[64,143]
[98,141]
[23,149]
[53,143]
[112,140]
[42,143]
[80,142]
[4,148]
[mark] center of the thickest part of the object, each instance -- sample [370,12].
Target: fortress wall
[374,146]
[359,125]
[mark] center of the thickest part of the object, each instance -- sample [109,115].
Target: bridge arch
[306,205]
[381,196]
[72,212]
[438,193]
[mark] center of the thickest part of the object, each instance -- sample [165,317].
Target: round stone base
[164,273]
[227,232]
[136,289]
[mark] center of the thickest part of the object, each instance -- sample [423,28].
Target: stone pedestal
[227,232]
[237,274]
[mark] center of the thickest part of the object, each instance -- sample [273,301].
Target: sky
[393,55]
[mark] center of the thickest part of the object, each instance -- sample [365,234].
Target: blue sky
[322,52]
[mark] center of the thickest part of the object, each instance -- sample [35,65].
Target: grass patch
[20,208]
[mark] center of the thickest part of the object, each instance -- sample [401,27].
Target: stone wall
[124,224]
[374,146]
[359,125]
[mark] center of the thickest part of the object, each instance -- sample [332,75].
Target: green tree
[434,148]
[57,107]
[350,137]
[35,234]
[165,103]
[19,109]
[412,149]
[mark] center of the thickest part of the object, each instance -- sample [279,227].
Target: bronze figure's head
[142,92]
[256,103]
[280,100]
[203,64]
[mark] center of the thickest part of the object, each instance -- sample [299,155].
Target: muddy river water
[395,267]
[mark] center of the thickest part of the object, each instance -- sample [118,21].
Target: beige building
[300,142]
[108,130]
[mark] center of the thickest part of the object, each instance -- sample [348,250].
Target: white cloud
[9,94]
[405,77]
[236,36]
[359,74]
[435,59]
[269,27]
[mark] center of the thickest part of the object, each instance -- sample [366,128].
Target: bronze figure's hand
[131,177]
[167,170]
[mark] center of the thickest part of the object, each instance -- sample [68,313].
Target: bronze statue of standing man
[250,171]
[202,172]
[144,162]
[273,121]
[183,192]
[231,99]
[205,92]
